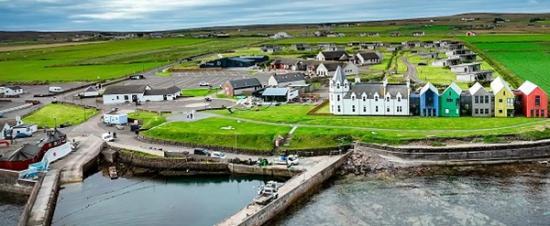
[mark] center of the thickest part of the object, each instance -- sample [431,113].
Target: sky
[156,15]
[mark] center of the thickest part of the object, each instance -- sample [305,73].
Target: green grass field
[104,60]
[330,131]
[220,132]
[527,60]
[148,120]
[53,115]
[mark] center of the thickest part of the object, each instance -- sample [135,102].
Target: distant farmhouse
[234,62]
[280,35]
[138,94]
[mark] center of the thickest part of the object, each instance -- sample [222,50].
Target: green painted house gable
[449,101]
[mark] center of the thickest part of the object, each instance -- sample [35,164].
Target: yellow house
[504,98]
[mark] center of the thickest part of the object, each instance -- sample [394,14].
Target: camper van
[55,89]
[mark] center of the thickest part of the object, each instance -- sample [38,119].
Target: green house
[449,101]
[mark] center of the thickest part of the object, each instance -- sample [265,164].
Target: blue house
[429,101]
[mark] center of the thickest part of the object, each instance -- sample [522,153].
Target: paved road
[411,72]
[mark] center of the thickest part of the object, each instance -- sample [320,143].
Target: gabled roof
[285,61]
[331,66]
[125,89]
[334,55]
[90,89]
[468,64]
[498,84]
[369,55]
[368,88]
[290,77]
[393,89]
[13,87]
[169,90]
[455,88]
[427,87]
[527,87]
[245,83]
[475,88]
[339,75]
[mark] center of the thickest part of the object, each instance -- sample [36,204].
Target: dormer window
[364,98]
[338,85]
[375,98]
[398,99]
[352,97]
[388,99]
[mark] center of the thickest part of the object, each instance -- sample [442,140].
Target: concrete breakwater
[473,154]
[294,189]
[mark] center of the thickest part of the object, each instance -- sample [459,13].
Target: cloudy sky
[147,15]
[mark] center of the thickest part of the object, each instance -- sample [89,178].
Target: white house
[359,98]
[11,91]
[364,58]
[138,93]
[91,91]
[326,68]
[466,68]
[280,35]
[351,69]
[284,80]
[332,56]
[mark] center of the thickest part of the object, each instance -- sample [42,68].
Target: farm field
[104,60]
[526,57]
[53,115]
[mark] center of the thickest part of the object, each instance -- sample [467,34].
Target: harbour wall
[292,191]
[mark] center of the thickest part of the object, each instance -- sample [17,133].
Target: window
[388,99]
[542,113]
[477,111]
[500,111]
[537,101]
[337,97]
[388,109]
[364,98]
[364,109]
[375,98]
[352,108]
[352,98]
[486,111]
[125,97]
[500,100]
[486,99]
[449,100]
[398,99]
[376,108]
[446,111]
[339,108]
[532,112]
[477,100]
[337,85]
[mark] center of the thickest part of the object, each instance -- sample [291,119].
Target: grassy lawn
[220,132]
[148,120]
[104,60]
[198,92]
[53,115]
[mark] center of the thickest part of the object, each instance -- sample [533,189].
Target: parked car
[137,77]
[204,84]
[208,99]
[199,151]
[217,154]
[55,89]
[107,137]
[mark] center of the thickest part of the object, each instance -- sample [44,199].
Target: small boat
[113,174]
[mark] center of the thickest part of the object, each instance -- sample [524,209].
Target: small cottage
[534,101]
[429,101]
[11,91]
[504,98]
[241,86]
[367,58]
[449,101]
[481,101]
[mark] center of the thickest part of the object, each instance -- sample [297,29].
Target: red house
[534,101]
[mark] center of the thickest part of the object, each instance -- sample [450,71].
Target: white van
[55,89]
[107,137]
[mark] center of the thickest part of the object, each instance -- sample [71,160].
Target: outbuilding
[241,86]
[284,80]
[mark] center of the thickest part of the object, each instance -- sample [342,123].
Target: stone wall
[495,152]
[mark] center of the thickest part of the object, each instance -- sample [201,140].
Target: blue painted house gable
[429,101]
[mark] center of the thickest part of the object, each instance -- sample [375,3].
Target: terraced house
[429,101]
[449,101]
[359,98]
[481,101]
[534,101]
[504,98]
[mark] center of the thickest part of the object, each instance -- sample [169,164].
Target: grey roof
[332,66]
[334,55]
[167,91]
[14,87]
[125,89]
[245,83]
[393,89]
[368,88]
[90,89]
[369,55]
[285,61]
[290,77]
[275,92]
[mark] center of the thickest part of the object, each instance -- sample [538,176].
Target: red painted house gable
[534,103]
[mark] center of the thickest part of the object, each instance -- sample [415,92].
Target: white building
[284,80]
[11,91]
[365,58]
[382,98]
[91,91]
[138,93]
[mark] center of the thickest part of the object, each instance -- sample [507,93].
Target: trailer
[115,119]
